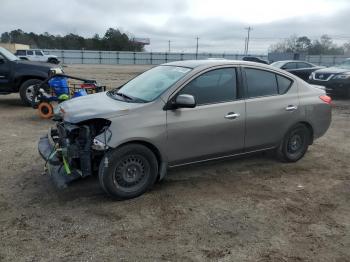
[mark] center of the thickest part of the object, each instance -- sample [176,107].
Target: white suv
[36,55]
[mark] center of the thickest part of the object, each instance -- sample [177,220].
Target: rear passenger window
[283,84]
[29,52]
[261,83]
[304,65]
[215,86]
[291,65]
[21,52]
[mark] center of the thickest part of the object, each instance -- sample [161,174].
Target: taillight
[326,99]
[87,85]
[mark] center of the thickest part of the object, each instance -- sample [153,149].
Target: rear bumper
[55,168]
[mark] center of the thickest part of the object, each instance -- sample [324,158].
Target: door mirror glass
[185,101]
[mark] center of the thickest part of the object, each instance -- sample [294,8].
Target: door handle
[291,108]
[232,115]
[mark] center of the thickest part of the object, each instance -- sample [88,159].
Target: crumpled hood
[98,105]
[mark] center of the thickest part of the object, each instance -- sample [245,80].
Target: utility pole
[247,39]
[169,42]
[197,47]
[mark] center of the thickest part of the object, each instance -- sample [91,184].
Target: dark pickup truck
[21,76]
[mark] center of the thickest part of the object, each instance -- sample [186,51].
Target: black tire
[294,144]
[26,89]
[53,61]
[128,171]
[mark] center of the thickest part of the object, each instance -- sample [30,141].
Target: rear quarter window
[283,84]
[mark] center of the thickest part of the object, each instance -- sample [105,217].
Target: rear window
[261,83]
[265,83]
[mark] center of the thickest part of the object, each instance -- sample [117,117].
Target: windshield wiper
[124,96]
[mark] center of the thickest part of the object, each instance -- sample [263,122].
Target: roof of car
[288,61]
[209,62]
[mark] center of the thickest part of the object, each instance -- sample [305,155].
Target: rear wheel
[53,61]
[26,91]
[128,172]
[295,144]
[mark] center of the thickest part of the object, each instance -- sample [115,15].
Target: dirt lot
[249,209]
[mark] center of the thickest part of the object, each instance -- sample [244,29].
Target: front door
[39,56]
[5,68]
[215,127]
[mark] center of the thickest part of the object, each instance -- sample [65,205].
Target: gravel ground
[245,209]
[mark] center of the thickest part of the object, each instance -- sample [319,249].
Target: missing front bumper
[54,166]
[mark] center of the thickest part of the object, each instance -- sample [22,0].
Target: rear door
[215,127]
[272,107]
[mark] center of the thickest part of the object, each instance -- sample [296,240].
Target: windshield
[8,54]
[345,64]
[151,84]
[278,64]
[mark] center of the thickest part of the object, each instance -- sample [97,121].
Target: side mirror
[185,101]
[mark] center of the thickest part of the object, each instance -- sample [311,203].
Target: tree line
[113,40]
[302,44]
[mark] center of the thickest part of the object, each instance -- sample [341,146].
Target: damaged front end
[71,150]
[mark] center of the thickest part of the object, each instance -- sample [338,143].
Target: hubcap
[30,92]
[295,143]
[130,172]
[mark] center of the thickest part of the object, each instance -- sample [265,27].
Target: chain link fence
[155,58]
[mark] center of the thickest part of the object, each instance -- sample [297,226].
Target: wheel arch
[20,80]
[309,127]
[162,164]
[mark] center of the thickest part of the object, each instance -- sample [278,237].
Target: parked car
[255,59]
[336,79]
[21,76]
[182,113]
[301,69]
[37,56]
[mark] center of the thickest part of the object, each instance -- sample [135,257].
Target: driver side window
[219,85]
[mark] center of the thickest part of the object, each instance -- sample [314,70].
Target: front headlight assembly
[98,145]
[56,71]
[342,76]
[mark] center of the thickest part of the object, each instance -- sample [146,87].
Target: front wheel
[128,172]
[295,144]
[26,91]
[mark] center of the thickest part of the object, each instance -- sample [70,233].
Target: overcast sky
[220,24]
